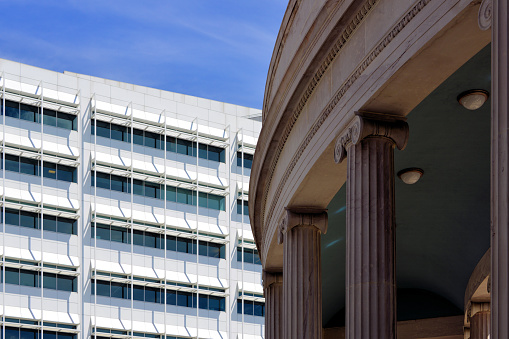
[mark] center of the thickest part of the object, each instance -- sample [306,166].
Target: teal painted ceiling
[442,221]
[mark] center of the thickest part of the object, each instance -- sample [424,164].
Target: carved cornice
[302,217]
[397,28]
[485,14]
[344,37]
[370,125]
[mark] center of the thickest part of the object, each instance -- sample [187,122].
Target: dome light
[410,175]
[473,99]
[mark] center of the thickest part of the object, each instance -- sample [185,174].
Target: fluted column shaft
[302,272]
[480,325]
[500,171]
[273,292]
[370,225]
[370,246]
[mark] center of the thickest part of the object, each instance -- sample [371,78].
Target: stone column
[300,233]
[370,220]
[273,291]
[495,13]
[480,321]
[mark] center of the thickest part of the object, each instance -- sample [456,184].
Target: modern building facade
[348,249]
[124,211]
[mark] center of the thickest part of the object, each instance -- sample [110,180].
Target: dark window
[29,166]
[49,118]
[248,160]
[49,170]
[28,113]
[12,109]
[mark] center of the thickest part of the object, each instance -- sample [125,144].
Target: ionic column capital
[485,16]
[272,278]
[302,217]
[367,124]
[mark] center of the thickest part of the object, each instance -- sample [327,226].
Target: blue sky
[216,49]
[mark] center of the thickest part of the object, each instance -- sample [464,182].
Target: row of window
[31,113]
[154,240]
[248,160]
[29,278]
[26,333]
[50,170]
[240,210]
[157,191]
[250,256]
[251,308]
[156,140]
[33,220]
[135,334]
[156,295]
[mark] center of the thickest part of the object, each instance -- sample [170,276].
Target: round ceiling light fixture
[410,175]
[473,99]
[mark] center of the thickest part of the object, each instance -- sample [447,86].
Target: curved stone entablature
[331,59]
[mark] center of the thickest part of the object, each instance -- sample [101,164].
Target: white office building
[124,211]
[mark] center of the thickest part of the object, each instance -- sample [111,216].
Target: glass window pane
[50,223]
[65,225]
[214,250]
[152,190]
[214,303]
[171,243]
[50,281]
[25,333]
[103,129]
[150,240]
[248,256]
[214,201]
[27,219]
[117,234]
[171,144]
[181,245]
[66,173]
[65,120]
[27,112]
[117,290]
[203,302]
[222,155]
[138,238]
[239,306]
[102,180]
[12,217]
[117,183]
[103,288]
[49,335]
[257,258]
[138,137]
[102,232]
[49,117]
[139,293]
[171,193]
[258,309]
[203,200]
[182,299]
[202,248]
[65,283]
[248,307]
[182,195]
[150,139]
[202,153]
[182,146]
[27,278]
[28,166]
[150,294]
[12,109]
[214,153]
[11,276]
[191,246]
[171,298]
[239,159]
[239,254]
[49,170]
[138,187]
[118,132]
[11,163]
